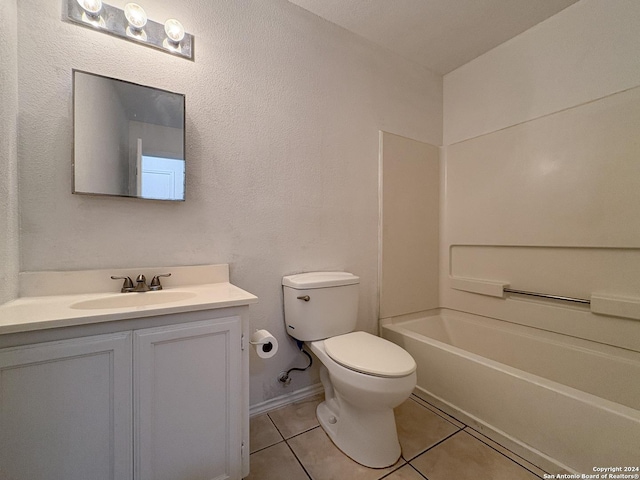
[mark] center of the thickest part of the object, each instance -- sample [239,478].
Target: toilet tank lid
[319,280]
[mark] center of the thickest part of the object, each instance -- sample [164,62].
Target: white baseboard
[282,400]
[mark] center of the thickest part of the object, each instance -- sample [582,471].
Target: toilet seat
[366,353]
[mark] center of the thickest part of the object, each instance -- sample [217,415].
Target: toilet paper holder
[267,344]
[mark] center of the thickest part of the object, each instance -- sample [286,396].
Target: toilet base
[368,437]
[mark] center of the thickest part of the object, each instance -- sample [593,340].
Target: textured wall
[283,113]
[9,260]
[542,173]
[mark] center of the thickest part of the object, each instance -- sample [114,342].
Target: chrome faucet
[141,283]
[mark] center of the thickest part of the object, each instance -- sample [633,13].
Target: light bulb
[174,30]
[91,7]
[136,16]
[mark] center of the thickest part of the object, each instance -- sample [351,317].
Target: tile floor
[288,444]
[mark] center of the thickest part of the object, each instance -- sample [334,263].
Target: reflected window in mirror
[128,139]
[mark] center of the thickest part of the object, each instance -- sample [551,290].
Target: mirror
[128,139]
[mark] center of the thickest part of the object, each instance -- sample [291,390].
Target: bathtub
[560,402]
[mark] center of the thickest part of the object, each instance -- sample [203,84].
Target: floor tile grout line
[268,446]
[434,445]
[436,411]
[282,439]
[480,433]
[268,414]
[404,462]
[295,434]
[441,413]
[418,471]
[347,456]
[402,466]
[302,433]
[274,424]
[435,408]
[299,461]
[501,453]
[276,427]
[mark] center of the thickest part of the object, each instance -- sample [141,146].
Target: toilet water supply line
[284,376]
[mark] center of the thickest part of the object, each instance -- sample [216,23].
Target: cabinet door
[65,410]
[187,401]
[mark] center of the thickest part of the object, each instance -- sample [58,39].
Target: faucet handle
[127,286]
[155,281]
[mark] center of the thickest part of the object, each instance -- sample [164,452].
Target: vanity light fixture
[131,24]
[91,7]
[91,12]
[174,30]
[137,19]
[175,34]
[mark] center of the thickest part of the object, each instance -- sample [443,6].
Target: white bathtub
[559,401]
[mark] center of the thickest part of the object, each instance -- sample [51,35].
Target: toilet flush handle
[306,298]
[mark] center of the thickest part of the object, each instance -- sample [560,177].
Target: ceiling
[438,34]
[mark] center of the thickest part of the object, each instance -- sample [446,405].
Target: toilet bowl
[357,413]
[364,376]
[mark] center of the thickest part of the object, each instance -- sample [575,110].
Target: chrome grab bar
[546,295]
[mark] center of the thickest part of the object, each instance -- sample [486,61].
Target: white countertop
[37,313]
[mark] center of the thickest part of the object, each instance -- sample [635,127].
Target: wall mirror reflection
[128,139]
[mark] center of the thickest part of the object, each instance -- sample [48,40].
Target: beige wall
[282,121]
[542,172]
[410,190]
[585,52]
[9,259]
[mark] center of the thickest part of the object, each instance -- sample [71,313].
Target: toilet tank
[319,305]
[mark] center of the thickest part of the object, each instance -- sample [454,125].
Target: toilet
[364,377]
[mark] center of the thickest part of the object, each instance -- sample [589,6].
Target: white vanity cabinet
[147,403]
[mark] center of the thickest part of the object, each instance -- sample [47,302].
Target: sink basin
[125,300]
